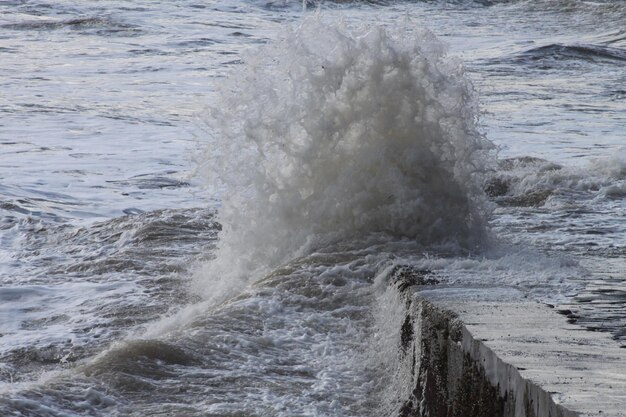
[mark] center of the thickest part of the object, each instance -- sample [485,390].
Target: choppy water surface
[333,151]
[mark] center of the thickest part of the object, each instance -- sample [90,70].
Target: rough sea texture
[201,203]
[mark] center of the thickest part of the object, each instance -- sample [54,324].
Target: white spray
[334,134]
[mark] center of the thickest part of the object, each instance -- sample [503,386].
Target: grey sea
[202,202]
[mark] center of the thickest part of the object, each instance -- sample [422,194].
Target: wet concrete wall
[456,375]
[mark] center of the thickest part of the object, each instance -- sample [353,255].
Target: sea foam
[337,133]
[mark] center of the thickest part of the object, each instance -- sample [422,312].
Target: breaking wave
[529,181]
[336,134]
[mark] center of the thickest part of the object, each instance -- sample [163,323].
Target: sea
[203,202]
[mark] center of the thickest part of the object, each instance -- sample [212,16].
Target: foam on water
[333,134]
[531,174]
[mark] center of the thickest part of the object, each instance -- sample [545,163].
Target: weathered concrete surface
[491,353]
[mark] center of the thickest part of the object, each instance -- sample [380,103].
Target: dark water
[201,203]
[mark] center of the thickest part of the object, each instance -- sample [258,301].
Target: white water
[336,133]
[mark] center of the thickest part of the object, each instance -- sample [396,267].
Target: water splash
[334,134]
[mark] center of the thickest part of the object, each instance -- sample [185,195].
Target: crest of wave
[332,134]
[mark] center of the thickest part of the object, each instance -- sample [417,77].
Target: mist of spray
[332,134]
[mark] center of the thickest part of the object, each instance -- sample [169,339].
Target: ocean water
[202,203]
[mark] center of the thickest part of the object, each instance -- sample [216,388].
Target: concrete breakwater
[489,352]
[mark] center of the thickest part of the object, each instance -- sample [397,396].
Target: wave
[570,209]
[74,290]
[100,24]
[597,7]
[339,4]
[313,4]
[529,181]
[333,134]
[580,52]
[325,333]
